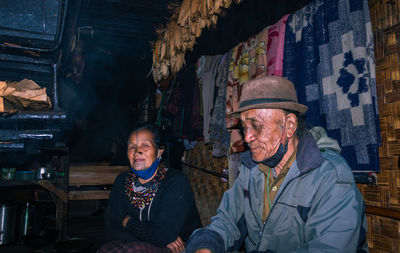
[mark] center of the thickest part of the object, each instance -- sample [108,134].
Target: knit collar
[141,195]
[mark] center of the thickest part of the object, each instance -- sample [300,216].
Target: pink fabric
[276,40]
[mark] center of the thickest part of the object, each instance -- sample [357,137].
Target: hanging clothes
[192,120]
[207,80]
[329,56]
[219,135]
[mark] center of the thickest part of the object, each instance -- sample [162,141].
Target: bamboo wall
[383,233]
[208,188]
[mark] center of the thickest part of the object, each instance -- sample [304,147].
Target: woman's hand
[176,246]
[125,221]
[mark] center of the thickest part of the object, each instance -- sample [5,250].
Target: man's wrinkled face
[263,131]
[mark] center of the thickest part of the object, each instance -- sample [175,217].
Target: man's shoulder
[336,165]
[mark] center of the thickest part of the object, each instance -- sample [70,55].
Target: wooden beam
[215,173]
[53,189]
[393,214]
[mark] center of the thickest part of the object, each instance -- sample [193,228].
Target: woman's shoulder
[176,173]
[121,176]
[176,176]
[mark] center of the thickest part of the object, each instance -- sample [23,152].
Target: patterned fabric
[329,56]
[141,195]
[249,59]
[131,247]
[219,135]
[276,42]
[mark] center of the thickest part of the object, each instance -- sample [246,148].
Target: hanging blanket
[329,56]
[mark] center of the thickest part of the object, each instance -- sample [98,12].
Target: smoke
[103,104]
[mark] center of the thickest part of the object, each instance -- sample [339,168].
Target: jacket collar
[308,155]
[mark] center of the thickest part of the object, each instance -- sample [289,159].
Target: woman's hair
[151,128]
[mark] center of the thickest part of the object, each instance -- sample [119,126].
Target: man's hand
[203,251]
[176,246]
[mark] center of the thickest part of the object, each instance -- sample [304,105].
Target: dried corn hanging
[187,22]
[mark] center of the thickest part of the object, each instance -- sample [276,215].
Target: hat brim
[292,106]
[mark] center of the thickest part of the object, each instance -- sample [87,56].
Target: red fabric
[131,247]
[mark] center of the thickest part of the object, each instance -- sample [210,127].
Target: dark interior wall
[104,98]
[103,105]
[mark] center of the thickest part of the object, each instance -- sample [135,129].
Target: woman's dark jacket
[172,212]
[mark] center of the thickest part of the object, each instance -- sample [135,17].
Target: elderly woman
[150,206]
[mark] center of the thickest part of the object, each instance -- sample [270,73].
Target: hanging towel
[329,56]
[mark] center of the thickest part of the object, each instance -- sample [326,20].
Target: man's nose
[248,135]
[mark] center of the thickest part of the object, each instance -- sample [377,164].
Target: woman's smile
[142,151]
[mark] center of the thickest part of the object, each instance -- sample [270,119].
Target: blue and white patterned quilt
[329,56]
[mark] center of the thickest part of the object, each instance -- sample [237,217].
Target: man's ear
[291,125]
[160,152]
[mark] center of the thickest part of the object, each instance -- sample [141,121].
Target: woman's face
[142,150]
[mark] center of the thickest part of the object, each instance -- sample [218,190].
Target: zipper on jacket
[270,211]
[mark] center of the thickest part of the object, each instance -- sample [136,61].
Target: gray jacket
[318,208]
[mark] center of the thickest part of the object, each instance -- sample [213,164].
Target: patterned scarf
[141,195]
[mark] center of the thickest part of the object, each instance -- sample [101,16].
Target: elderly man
[291,195]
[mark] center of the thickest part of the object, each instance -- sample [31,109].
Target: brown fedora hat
[268,92]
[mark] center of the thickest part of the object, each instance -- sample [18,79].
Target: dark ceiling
[127,26]
[123,26]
